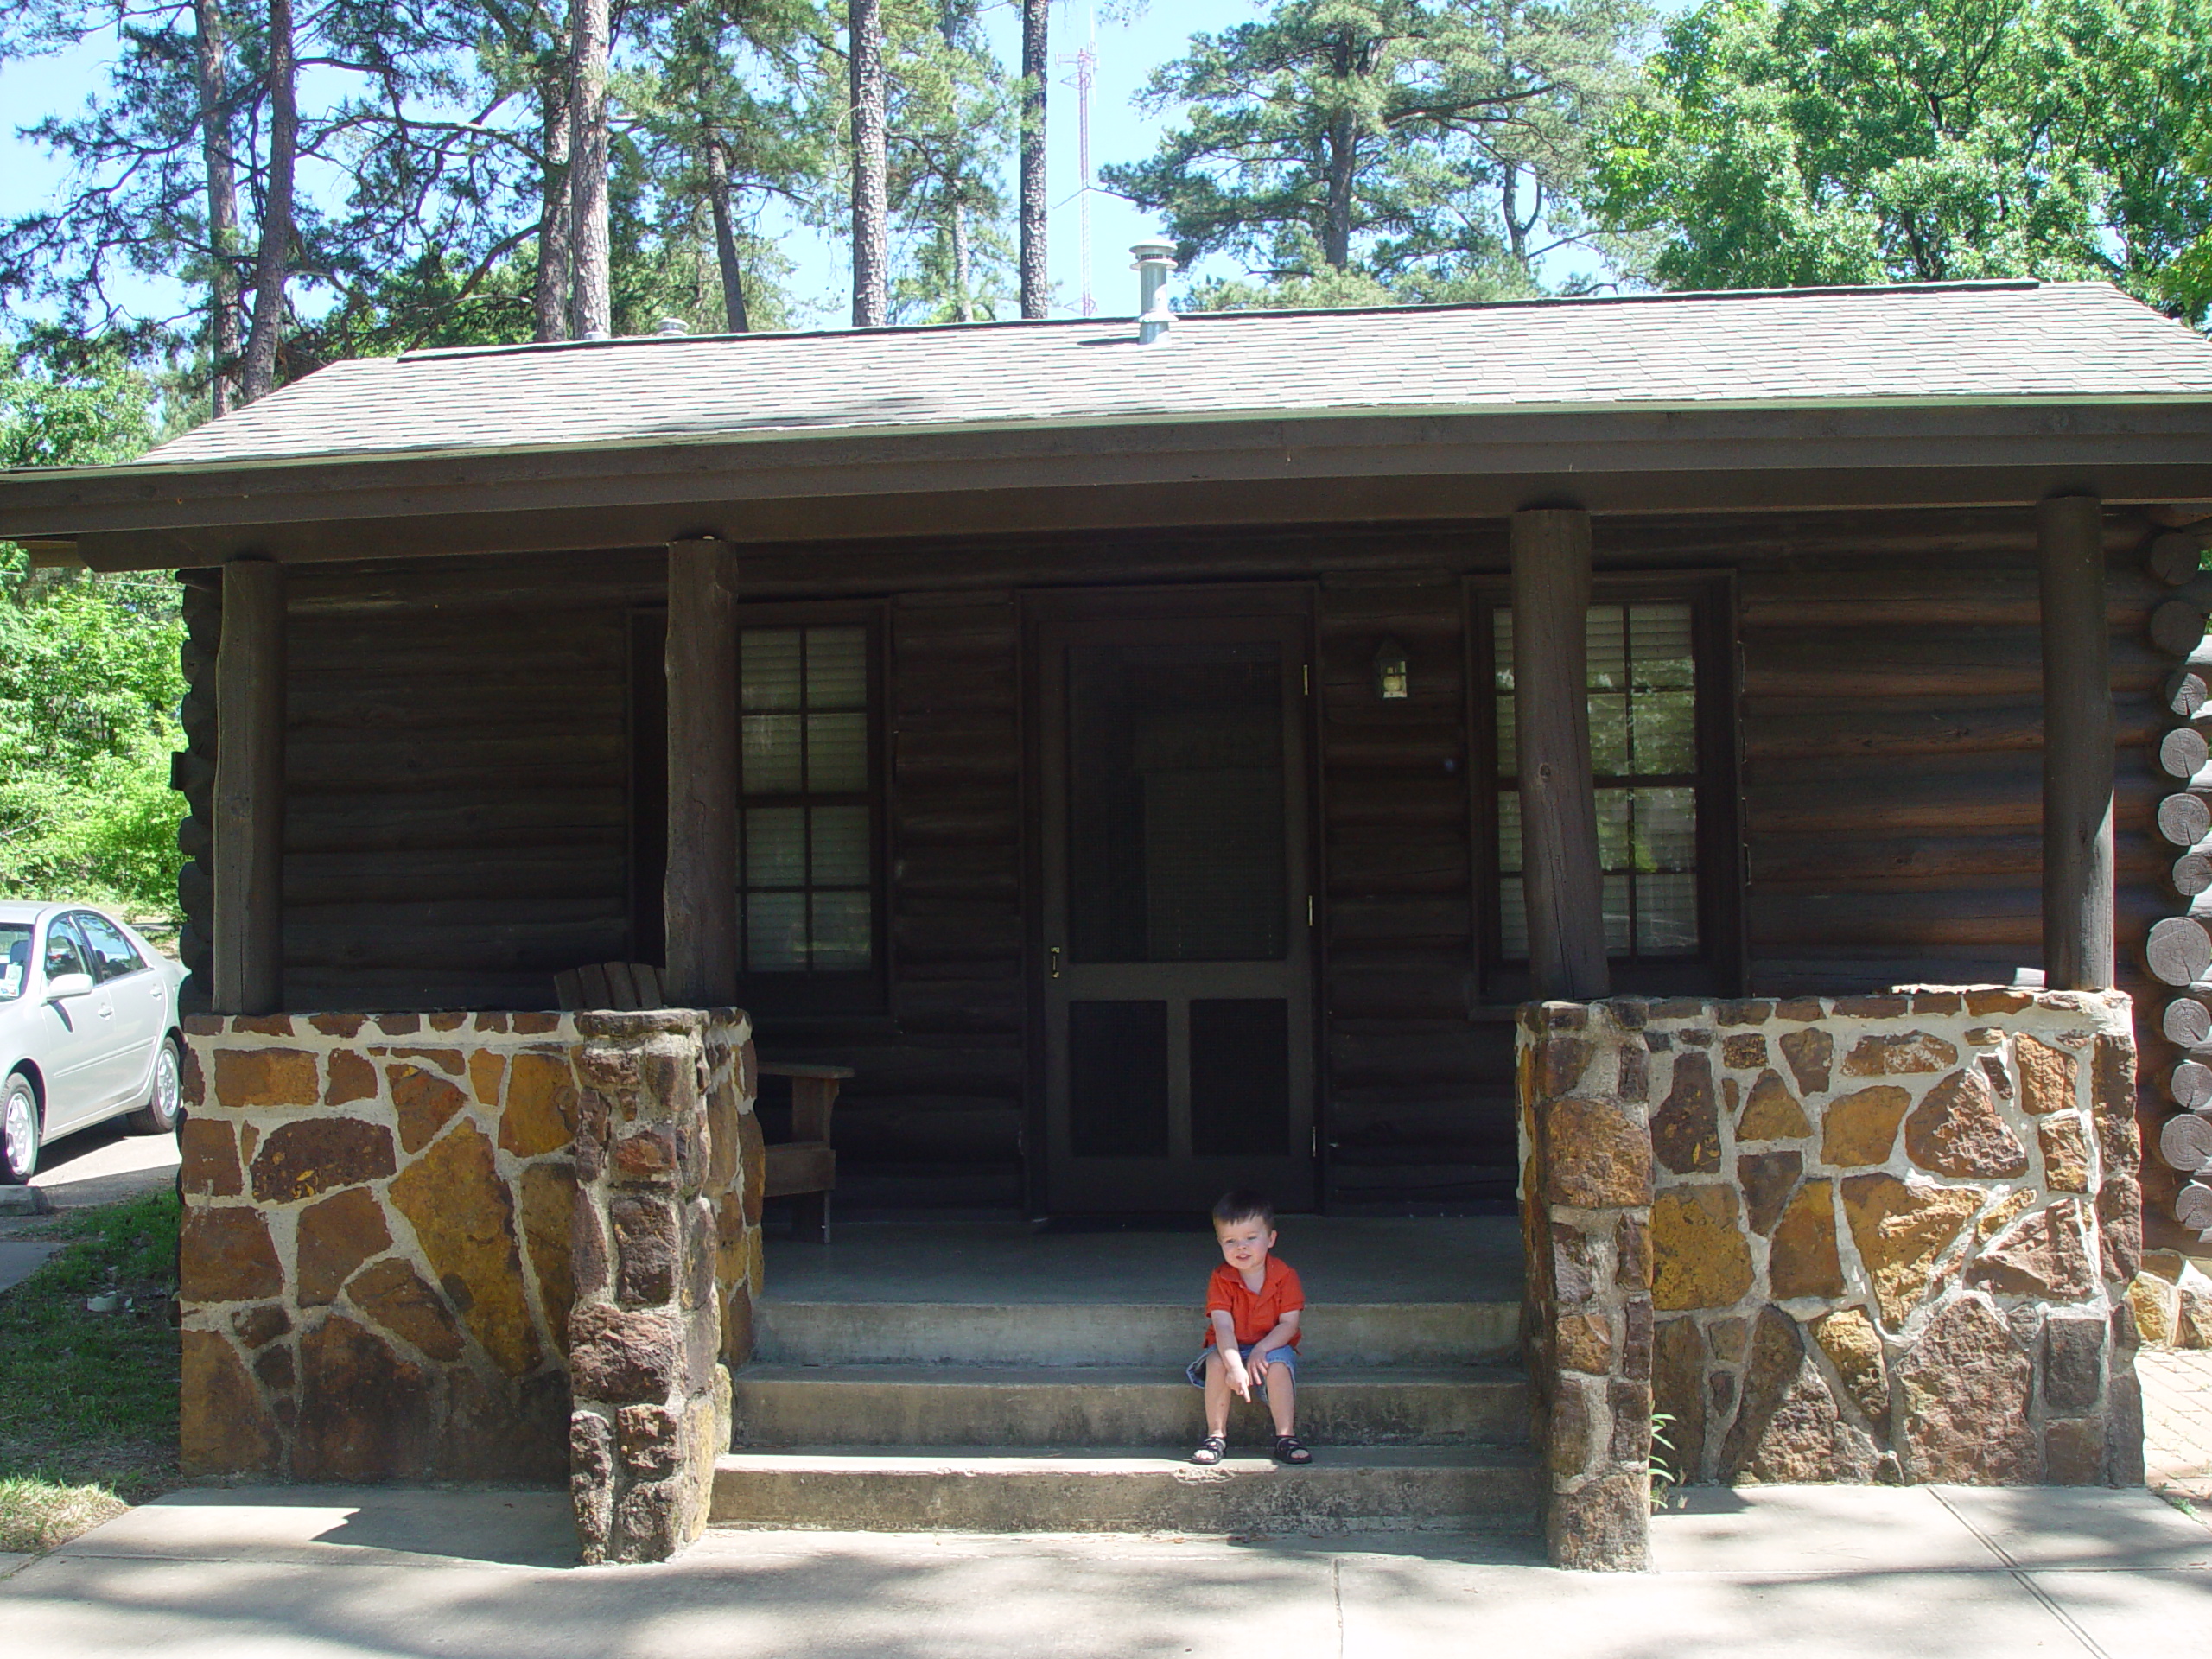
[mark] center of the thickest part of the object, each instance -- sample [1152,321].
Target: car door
[139,1004]
[71,1040]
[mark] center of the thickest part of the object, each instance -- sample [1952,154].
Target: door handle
[107,1010]
[1055,954]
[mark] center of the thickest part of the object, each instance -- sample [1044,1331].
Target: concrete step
[1096,1406]
[1144,1334]
[1367,1488]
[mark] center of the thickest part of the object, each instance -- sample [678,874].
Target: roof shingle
[1997,343]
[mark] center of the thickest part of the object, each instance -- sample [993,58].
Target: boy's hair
[1242,1203]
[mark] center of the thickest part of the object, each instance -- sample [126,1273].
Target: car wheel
[166,1104]
[19,1130]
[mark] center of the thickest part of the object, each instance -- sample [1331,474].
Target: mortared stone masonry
[459,1246]
[1869,1238]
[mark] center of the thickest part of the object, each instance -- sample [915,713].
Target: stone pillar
[1586,1197]
[650,1408]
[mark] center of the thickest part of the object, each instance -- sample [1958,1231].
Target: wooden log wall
[462,746]
[458,763]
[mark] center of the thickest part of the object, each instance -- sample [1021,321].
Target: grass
[88,1401]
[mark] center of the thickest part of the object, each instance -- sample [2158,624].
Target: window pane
[836,668]
[1615,904]
[839,847]
[1512,920]
[768,670]
[775,846]
[775,931]
[1609,719]
[841,930]
[1666,829]
[836,753]
[1604,635]
[1502,654]
[1660,641]
[1666,731]
[112,957]
[1666,920]
[770,761]
[1509,833]
[1613,840]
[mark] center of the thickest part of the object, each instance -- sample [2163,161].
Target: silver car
[88,1029]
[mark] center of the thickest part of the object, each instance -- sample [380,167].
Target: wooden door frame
[1037,608]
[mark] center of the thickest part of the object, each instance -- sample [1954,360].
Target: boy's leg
[1217,1395]
[1282,1396]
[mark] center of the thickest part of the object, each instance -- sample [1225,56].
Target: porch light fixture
[1392,683]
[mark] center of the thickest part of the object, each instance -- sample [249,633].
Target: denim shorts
[1284,1357]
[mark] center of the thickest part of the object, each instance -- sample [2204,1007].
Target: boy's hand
[1256,1367]
[1240,1382]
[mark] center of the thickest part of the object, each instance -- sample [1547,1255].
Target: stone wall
[1890,1237]
[377,1272]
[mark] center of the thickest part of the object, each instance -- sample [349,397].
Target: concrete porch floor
[979,1258]
[324,1574]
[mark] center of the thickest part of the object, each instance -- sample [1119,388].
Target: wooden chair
[622,986]
[804,1167]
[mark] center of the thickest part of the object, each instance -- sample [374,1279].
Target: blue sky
[1128,51]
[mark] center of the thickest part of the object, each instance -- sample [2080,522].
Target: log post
[700,895]
[1561,875]
[249,805]
[2077,747]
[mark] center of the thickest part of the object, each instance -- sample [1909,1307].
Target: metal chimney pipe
[1155,264]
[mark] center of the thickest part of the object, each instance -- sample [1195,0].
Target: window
[14,959]
[65,952]
[113,956]
[807,816]
[1662,765]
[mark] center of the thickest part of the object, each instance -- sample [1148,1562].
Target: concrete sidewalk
[1935,1574]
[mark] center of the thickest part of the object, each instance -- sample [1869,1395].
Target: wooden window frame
[808,993]
[1719,967]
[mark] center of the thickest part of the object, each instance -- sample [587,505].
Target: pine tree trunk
[549,296]
[963,288]
[213,68]
[258,377]
[871,166]
[1036,63]
[725,238]
[593,314]
[1336,232]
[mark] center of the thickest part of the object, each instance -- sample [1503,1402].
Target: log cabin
[1156,757]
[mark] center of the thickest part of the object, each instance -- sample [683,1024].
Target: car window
[112,955]
[14,959]
[65,952]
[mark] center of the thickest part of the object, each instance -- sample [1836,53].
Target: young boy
[1253,1303]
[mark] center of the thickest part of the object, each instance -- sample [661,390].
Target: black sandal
[1290,1449]
[1211,1450]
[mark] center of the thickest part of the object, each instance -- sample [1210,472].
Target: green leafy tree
[1431,148]
[89,673]
[1798,142]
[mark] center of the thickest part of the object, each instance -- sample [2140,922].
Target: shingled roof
[1983,343]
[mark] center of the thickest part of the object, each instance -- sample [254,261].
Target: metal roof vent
[672,326]
[1155,264]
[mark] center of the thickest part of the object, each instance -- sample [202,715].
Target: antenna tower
[1085,76]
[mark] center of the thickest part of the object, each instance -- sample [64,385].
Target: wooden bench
[804,1167]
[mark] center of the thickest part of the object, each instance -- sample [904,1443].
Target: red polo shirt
[1255,1313]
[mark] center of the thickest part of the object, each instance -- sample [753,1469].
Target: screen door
[1177,940]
